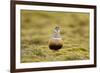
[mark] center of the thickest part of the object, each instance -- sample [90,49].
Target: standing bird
[56,42]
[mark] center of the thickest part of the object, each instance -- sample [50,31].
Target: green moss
[37,28]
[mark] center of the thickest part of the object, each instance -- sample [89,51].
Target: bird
[56,42]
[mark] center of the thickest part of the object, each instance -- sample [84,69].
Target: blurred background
[37,28]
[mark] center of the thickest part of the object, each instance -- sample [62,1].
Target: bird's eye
[57,28]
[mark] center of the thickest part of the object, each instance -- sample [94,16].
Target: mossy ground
[37,28]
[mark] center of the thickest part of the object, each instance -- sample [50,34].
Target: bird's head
[57,29]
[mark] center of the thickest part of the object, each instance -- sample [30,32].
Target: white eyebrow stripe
[57,38]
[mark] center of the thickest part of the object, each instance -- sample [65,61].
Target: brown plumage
[56,42]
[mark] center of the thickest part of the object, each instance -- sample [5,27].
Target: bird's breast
[55,43]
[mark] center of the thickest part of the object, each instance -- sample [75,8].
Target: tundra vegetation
[37,28]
